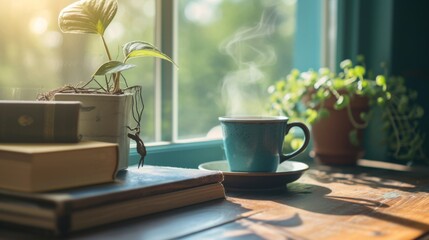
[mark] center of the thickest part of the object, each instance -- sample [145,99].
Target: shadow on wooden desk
[370,201]
[348,202]
[166,225]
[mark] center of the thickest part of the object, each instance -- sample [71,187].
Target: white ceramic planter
[104,118]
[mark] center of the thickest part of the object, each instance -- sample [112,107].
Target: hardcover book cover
[41,167]
[136,192]
[39,121]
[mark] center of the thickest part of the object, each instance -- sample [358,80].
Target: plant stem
[349,81]
[335,92]
[106,48]
[352,119]
[116,76]
[395,130]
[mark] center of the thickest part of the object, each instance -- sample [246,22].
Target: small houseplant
[107,105]
[340,106]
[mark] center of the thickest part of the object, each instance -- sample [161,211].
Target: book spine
[39,122]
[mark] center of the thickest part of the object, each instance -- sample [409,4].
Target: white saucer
[287,172]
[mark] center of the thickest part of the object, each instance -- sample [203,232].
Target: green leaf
[380,80]
[353,137]
[403,104]
[342,102]
[87,16]
[351,73]
[380,101]
[364,116]
[388,95]
[323,113]
[346,64]
[136,49]
[338,83]
[311,115]
[350,87]
[364,87]
[419,112]
[321,94]
[280,85]
[112,67]
[295,72]
[324,71]
[359,70]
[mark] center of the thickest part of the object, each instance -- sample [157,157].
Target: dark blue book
[136,192]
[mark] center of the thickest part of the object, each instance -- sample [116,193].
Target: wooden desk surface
[326,203]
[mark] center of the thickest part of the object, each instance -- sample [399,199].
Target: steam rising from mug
[243,91]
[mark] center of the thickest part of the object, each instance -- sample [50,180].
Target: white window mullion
[329,34]
[158,70]
[174,79]
[166,87]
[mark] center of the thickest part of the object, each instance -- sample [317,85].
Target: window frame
[167,150]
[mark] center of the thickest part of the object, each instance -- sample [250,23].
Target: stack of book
[58,183]
[40,148]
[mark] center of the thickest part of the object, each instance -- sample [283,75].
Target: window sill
[187,154]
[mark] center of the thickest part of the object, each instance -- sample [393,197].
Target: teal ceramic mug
[255,144]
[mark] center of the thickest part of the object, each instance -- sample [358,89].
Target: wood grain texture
[365,202]
[329,203]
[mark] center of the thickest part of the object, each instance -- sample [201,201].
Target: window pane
[229,52]
[34,54]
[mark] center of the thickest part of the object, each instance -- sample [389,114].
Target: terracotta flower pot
[331,143]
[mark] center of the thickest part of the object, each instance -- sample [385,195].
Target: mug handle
[304,128]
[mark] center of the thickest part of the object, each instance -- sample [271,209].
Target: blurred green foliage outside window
[228,52]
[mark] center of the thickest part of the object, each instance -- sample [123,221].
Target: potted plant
[340,106]
[106,103]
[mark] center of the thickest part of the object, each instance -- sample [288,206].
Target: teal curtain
[393,32]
